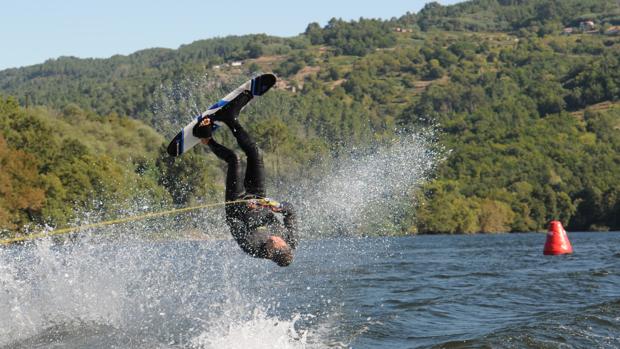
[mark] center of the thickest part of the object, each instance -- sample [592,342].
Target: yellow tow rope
[114,221]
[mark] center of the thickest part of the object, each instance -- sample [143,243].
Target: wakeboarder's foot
[230,112]
[203,129]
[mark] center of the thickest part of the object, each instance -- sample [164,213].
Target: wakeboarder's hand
[205,122]
[270,204]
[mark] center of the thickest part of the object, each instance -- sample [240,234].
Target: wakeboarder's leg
[233,173]
[255,172]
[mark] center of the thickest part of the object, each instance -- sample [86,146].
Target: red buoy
[557,240]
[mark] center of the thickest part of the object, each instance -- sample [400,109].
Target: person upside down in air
[252,222]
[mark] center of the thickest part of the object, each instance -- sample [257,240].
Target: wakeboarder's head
[279,251]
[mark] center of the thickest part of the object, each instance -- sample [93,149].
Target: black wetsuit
[251,227]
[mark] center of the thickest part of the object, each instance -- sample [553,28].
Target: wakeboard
[185,140]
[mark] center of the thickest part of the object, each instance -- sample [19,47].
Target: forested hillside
[530,118]
[540,16]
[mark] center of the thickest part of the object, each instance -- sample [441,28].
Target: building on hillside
[613,31]
[587,26]
[567,31]
[403,30]
[236,64]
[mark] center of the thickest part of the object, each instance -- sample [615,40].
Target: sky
[33,31]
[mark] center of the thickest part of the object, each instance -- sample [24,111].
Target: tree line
[528,118]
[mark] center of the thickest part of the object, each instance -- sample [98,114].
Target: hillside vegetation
[530,118]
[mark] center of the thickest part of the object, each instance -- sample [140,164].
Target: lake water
[415,292]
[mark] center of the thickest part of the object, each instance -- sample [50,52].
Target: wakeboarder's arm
[290,223]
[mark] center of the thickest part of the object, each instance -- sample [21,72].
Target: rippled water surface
[415,292]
